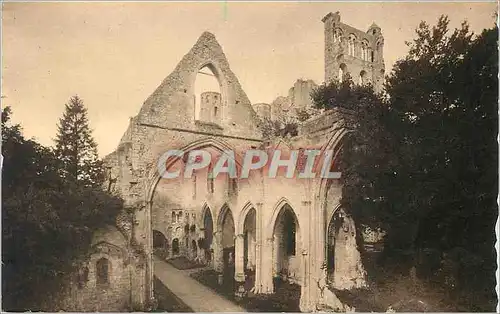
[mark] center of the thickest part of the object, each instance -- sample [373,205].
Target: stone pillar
[267,266]
[239,272]
[239,265]
[218,252]
[304,289]
[258,250]
[309,255]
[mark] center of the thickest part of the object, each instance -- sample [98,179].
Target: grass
[389,286]
[183,263]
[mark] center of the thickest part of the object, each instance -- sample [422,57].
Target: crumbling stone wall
[166,121]
[336,51]
[84,293]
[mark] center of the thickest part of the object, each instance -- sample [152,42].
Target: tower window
[215,111]
[351,45]
[373,56]
[364,50]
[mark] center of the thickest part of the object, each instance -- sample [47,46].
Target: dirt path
[191,292]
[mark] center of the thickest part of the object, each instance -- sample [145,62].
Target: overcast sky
[114,55]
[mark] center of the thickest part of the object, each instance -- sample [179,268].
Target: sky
[113,55]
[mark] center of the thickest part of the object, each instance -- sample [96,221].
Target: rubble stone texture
[353,51]
[273,226]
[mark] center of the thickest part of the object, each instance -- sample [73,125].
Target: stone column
[258,250]
[218,252]
[267,266]
[239,264]
[304,295]
[308,262]
[239,272]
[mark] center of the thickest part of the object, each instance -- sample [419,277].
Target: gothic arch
[287,243]
[240,224]
[225,210]
[176,91]
[276,211]
[206,208]
[154,175]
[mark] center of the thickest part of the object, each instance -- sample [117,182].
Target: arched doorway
[286,235]
[160,244]
[159,240]
[344,267]
[334,233]
[343,74]
[208,231]
[249,233]
[226,226]
[175,247]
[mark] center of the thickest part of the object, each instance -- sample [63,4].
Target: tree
[278,128]
[46,224]
[446,87]
[367,157]
[423,163]
[75,147]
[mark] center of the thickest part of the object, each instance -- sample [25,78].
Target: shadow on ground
[167,301]
[285,299]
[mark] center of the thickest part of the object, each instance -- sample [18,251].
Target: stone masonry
[271,227]
[352,51]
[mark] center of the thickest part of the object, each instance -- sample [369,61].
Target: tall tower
[210,107]
[350,51]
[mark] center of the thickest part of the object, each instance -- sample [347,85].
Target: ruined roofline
[352,29]
[330,14]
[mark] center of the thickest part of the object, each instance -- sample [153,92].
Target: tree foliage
[423,162]
[278,128]
[76,148]
[47,223]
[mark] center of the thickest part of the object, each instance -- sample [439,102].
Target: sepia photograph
[228,156]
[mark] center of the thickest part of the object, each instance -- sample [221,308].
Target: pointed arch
[216,143]
[205,209]
[335,143]
[223,212]
[179,85]
[287,242]
[276,211]
[215,99]
[240,225]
